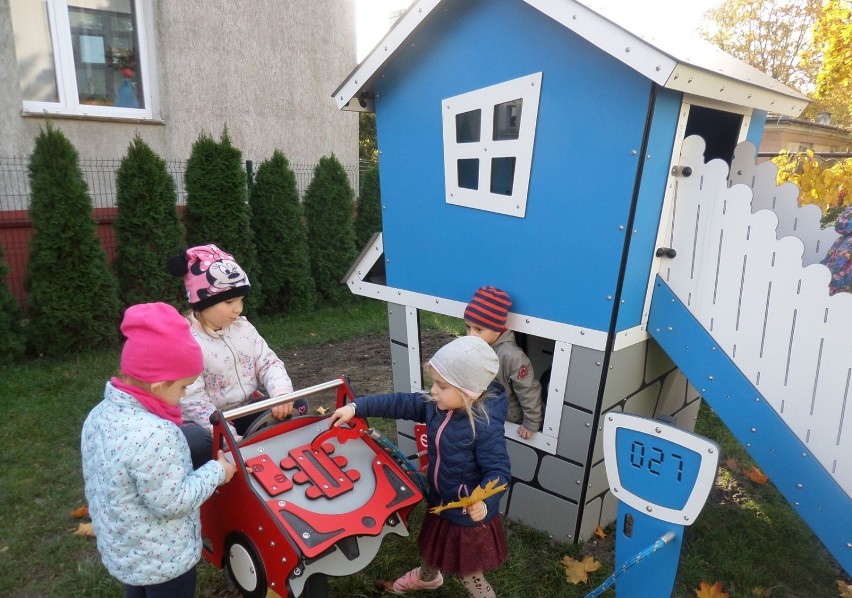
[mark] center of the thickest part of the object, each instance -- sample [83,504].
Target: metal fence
[99,174]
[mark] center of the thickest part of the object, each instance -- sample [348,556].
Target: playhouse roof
[687,64]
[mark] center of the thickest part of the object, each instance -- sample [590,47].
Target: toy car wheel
[244,567]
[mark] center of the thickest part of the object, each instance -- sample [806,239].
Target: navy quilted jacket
[458,462]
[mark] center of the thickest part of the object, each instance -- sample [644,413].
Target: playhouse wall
[561,261]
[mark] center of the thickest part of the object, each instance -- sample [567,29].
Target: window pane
[507,120]
[502,175]
[34,51]
[105,52]
[469,173]
[468,125]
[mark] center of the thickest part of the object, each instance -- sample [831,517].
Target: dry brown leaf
[80,512]
[844,588]
[577,571]
[705,590]
[732,464]
[86,530]
[756,476]
[479,493]
[600,533]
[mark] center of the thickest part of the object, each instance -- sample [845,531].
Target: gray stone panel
[645,401]
[598,483]
[686,418]
[626,374]
[400,371]
[575,433]
[524,460]
[657,363]
[591,518]
[584,377]
[561,477]
[396,323]
[673,394]
[609,510]
[544,512]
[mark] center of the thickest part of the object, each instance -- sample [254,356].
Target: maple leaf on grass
[479,493]
[80,512]
[845,589]
[578,571]
[600,533]
[732,464]
[705,590]
[756,476]
[85,530]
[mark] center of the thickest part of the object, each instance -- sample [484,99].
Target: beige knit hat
[468,363]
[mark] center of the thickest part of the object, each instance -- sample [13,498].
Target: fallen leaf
[4,549]
[732,464]
[761,592]
[705,590]
[479,493]
[80,512]
[272,594]
[86,530]
[322,410]
[845,589]
[577,571]
[756,476]
[600,533]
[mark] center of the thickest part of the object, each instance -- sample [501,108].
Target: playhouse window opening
[468,127]
[502,175]
[468,173]
[507,120]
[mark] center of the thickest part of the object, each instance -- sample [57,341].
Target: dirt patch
[365,360]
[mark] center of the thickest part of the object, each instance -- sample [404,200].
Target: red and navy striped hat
[489,308]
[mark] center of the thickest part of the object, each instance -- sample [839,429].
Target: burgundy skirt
[462,550]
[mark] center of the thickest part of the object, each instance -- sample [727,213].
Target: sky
[371,16]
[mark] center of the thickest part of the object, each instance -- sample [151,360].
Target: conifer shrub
[147,228]
[281,238]
[11,332]
[368,219]
[217,209]
[331,232]
[72,294]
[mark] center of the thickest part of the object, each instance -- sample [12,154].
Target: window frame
[487,149]
[65,69]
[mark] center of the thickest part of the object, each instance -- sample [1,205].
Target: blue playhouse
[607,181]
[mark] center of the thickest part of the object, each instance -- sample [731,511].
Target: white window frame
[526,88]
[66,79]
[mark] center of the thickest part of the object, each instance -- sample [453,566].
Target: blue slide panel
[803,481]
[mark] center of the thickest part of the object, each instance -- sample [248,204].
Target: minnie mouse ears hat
[210,276]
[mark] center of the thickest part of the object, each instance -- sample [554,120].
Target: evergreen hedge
[369,216]
[331,233]
[217,209]
[281,238]
[11,333]
[147,228]
[72,295]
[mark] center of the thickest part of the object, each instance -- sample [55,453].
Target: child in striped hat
[485,317]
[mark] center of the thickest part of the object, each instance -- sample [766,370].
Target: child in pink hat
[239,367]
[143,493]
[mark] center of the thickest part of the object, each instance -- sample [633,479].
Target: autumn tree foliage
[147,228]
[774,37]
[72,294]
[331,234]
[822,181]
[217,209]
[368,219]
[281,238]
[832,47]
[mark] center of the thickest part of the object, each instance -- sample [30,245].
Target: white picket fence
[746,268]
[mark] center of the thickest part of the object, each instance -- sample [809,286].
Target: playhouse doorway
[720,130]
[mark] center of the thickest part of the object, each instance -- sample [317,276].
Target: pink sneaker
[411,581]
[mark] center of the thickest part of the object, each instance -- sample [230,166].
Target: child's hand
[524,433]
[477,511]
[282,411]
[230,468]
[341,416]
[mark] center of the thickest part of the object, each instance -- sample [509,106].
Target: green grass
[747,537]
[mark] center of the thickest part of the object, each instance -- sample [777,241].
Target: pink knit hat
[210,276]
[159,346]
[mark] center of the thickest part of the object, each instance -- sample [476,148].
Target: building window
[500,156]
[83,57]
